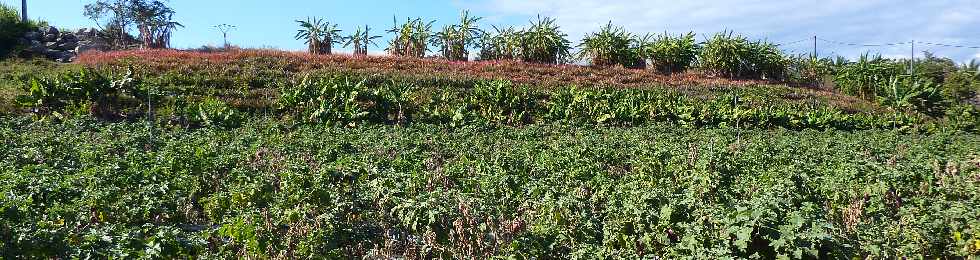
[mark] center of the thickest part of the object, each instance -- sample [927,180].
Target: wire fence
[820,44]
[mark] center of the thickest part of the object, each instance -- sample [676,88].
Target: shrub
[962,84]
[544,42]
[213,113]
[669,54]
[319,35]
[411,38]
[912,94]
[75,89]
[735,56]
[11,29]
[809,71]
[866,77]
[611,46]
[502,44]
[454,40]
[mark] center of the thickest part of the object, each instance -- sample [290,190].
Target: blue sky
[272,23]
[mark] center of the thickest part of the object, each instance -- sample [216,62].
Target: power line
[950,45]
[864,44]
[791,43]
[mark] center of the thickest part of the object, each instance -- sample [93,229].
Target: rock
[50,30]
[91,46]
[51,45]
[33,36]
[67,46]
[68,37]
[50,37]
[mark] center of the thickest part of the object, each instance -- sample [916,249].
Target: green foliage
[11,29]
[326,99]
[84,189]
[868,76]
[612,45]
[543,42]
[213,113]
[79,89]
[454,39]
[669,54]
[732,55]
[917,94]
[810,71]
[962,84]
[411,38]
[319,35]
[502,44]
[153,21]
[361,38]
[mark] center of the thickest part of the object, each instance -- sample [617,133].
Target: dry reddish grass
[538,74]
[541,75]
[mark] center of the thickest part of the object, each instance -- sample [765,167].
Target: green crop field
[470,143]
[320,163]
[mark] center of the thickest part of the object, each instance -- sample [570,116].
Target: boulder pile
[63,46]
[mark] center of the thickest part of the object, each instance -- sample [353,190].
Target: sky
[838,24]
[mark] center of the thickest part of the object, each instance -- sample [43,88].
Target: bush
[868,76]
[214,113]
[735,56]
[810,71]
[669,54]
[11,29]
[542,42]
[611,46]
[75,89]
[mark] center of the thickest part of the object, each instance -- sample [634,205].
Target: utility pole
[225,28]
[815,54]
[912,61]
[23,10]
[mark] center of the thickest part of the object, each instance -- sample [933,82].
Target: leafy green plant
[411,38]
[670,54]
[918,94]
[866,77]
[731,55]
[544,42]
[360,39]
[318,34]
[611,45]
[502,44]
[326,99]
[11,29]
[453,40]
[213,112]
[81,88]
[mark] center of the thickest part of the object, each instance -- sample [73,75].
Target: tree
[153,19]
[361,39]
[454,39]
[319,35]
[411,38]
[23,10]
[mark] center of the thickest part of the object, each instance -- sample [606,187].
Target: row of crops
[203,160]
[92,189]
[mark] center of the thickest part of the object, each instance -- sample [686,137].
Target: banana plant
[453,40]
[360,39]
[318,34]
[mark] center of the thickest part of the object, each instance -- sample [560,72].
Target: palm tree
[611,45]
[361,39]
[319,35]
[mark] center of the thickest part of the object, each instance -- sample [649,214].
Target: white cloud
[865,21]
